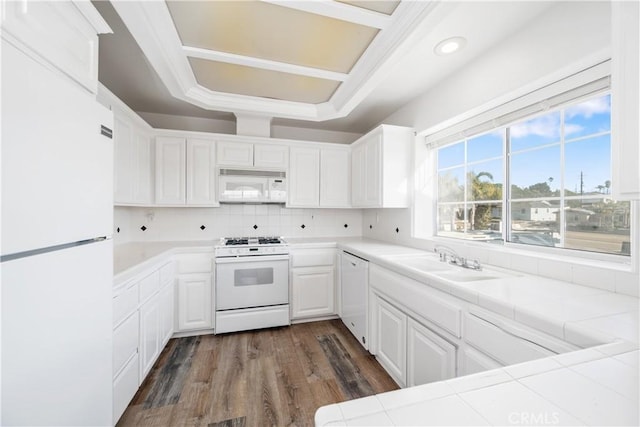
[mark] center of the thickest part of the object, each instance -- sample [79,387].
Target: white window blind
[582,84]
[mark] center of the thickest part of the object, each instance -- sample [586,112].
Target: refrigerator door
[57,169]
[56,337]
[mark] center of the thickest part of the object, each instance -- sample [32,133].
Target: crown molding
[336,10]
[265,64]
[152,27]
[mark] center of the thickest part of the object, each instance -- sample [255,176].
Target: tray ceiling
[308,60]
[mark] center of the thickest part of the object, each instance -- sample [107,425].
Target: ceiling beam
[336,10]
[249,61]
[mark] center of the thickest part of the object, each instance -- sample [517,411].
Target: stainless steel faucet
[449,255]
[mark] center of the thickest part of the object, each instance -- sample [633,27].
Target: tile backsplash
[158,224]
[390,225]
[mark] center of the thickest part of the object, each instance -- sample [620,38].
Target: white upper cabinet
[270,156]
[201,172]
[132,165]
[335,173]
[231,153]
[625,109]
[63,33]
[304,177]
[319,177]
[185,171]
[170,171]
[245,154]
[380,164]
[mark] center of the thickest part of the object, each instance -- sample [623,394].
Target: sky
[535,148]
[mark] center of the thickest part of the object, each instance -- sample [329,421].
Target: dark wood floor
[271,377]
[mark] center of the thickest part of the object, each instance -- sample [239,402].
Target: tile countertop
[132,258]
[594,386]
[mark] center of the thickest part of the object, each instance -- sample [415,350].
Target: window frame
[507,200]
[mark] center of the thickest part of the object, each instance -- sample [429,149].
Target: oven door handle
[251,258]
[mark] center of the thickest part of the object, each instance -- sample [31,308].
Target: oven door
[252,281]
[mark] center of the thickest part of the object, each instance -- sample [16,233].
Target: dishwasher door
[354,278]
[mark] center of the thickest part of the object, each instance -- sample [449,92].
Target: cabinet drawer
[124,387]
[194,263]
[125,303]
[149,285]
[501,343]
[167,272]
[125,342]
[312,257]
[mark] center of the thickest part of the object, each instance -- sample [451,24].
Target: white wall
[232,220]
[566,35]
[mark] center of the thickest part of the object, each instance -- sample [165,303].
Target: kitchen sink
[467,275]
[424,263]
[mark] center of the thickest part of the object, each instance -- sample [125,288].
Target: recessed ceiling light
[450,45]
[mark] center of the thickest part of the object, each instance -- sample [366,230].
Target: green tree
[482,189]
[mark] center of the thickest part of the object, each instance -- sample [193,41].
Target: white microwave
[251,186]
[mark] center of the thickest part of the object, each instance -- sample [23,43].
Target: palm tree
[482,190]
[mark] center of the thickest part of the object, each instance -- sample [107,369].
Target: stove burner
[237,241]
[269,241]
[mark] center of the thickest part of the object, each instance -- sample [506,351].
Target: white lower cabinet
[167,311]
[149,334]
[125,386]
[391,340]
[195,302]
[143,318]
[472,361]
[313,293]
[313,284]
[429,357]
[126,367]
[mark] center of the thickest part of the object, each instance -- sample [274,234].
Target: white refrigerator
[56,267]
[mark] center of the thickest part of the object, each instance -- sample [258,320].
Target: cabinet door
[335,168]
[166,313]
[232,153]
[149,335]
[124,161]
[201,172]
[271,156]
[142,192]
[194,302]
[373,172]
[304,177]
[357,176]
[132,164]
[625,126]
[473,361]
[391,340]
[170,171]
[429,357]
[313,292]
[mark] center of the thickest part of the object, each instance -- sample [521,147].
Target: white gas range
[252,283]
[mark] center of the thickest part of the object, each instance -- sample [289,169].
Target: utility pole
[581,183]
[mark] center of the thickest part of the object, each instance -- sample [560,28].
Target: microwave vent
[247,172]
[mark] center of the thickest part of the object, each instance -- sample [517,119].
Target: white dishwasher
[354,277]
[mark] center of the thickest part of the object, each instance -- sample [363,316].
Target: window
[544,180]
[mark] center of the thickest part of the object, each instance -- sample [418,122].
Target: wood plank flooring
[270,377]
